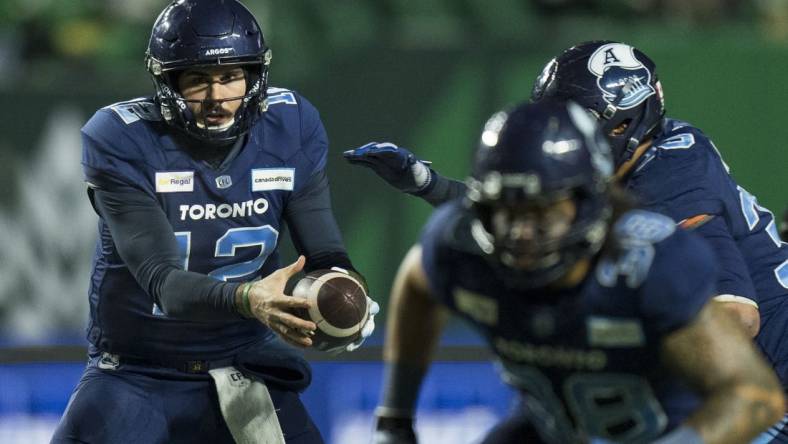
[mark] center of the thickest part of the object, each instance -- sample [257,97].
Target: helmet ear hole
[172,78]
[621,128]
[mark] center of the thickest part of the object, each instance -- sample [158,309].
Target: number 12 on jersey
[264,237]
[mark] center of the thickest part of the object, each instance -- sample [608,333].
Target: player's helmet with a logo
[616,82]
[529,159]
[195,33]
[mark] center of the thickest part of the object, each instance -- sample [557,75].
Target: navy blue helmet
[616,82]
[200,33]
[531,159]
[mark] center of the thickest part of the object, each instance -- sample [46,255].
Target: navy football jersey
[587,357]
[226,220]
[682,176]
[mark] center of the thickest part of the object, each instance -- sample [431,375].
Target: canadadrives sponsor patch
[174,181]
[267,179]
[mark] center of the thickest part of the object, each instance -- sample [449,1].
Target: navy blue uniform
[226,221]
[228,232]
[586,358]
[682,175]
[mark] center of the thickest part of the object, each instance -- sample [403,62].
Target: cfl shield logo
[224,181]
[624,81]
[237,379]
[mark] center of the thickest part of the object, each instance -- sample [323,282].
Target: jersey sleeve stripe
[734,298]
[694,222]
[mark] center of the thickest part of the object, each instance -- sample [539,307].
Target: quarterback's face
[532,235]
[213,94]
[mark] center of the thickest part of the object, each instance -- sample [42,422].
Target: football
[339,306]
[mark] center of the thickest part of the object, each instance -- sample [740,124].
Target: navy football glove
[397,166]
[390,430]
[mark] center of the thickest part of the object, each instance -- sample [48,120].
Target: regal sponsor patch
[267,179]
[614,332]
[174,181]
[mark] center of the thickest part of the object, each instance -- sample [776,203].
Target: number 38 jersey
[587,358]
[226,220]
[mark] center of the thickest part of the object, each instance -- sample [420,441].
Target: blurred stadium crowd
[106,34]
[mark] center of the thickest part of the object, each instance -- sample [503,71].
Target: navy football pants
[117,406]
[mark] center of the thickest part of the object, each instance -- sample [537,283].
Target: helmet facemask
[534,240]
[194,34]
[626,129]
[176,111]
[539,191]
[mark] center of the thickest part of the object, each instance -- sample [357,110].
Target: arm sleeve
[110,157]
[734,277]
[314,230]
[144,239]
[314,140]
[434,255]
[308,213]
[681,280]
[441,189]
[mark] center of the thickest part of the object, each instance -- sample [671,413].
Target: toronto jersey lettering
[587,357]
[226,220]
[683,176]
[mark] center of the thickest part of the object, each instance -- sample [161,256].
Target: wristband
[428,184]
[246,305]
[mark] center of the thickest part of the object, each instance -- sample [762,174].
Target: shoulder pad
[675,125]
[137,109]
[450,226]
[280,96]
[458,233]
[643,227]
[679,137]
[113,152]
[635,234]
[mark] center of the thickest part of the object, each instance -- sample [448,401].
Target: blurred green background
[423,74]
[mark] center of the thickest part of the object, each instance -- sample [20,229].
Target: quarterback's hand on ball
[366,331]
[272,307]
[394,430]
[396,165]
